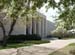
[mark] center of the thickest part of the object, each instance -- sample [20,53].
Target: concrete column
[39,27]
[34,26]
[30,26]
[45,27]
[25,27]
[42,27]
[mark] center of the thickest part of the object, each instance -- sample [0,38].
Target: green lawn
[26,43]
[68,50]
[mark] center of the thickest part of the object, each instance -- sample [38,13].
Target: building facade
[32,26]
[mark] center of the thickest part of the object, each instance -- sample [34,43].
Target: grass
[26,43]
[68,50]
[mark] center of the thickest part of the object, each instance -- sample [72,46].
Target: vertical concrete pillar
[25,27]
[39,27]
[45,27]
[42,27]
[30,26]
[34,26]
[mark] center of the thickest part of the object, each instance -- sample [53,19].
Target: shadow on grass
[58,53]
[25,43]
[68,50]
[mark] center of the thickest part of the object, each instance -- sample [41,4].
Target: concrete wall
[41,27]
[50,26]
[18,29]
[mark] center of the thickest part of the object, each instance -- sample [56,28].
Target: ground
[40,49]
[68,50]
[23,44]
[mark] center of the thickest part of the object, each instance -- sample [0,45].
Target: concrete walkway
[42,49]
[57,44]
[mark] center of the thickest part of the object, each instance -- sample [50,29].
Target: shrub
[59,37]
[22,38]
[33,37]
[50,36]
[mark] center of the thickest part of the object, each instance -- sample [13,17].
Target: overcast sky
[51,12]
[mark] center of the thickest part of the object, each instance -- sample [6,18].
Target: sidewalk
[42,49]
[57,44]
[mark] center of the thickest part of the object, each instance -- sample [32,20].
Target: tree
[66,12]
[14,10]
[68,17]
[18,9]
[60,31]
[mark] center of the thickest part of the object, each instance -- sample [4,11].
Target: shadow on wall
[50,26]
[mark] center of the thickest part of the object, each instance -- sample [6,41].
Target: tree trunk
[4,34]
[5,38]
[11,28]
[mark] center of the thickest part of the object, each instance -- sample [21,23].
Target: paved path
[42,49]
[57,44]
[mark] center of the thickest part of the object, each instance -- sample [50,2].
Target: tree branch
[12,26]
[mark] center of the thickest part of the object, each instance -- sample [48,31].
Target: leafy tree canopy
[67,12]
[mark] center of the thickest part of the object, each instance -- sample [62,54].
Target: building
[38,26]
[50,26]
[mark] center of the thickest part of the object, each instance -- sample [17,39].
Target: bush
[22,38]
[26,43]
[50,36]
[60,37]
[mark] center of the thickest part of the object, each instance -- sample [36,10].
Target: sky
[50,13]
